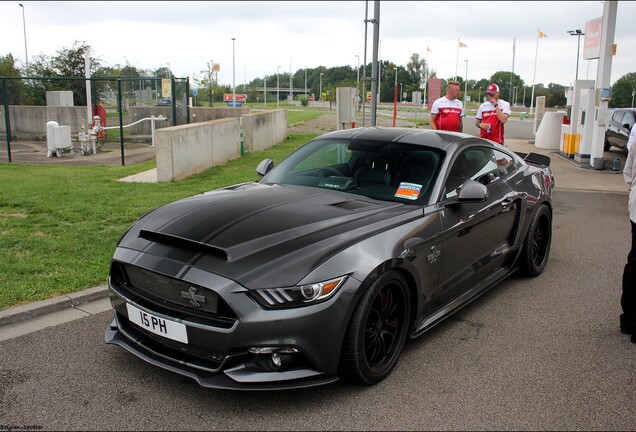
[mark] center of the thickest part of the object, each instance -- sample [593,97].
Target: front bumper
[218,356]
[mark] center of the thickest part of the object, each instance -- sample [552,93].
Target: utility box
[572,134]
[585,124]
[58,138]
[417,98]
[346,107]
[59,98]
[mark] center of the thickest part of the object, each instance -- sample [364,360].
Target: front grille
[164,349]
[163,295]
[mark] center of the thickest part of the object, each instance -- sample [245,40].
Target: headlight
[297,296]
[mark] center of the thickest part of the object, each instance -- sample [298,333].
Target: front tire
[378,329]
[536,247]
[606,145]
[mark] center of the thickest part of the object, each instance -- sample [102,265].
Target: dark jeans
[628,299]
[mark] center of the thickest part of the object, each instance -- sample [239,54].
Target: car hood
[263,235]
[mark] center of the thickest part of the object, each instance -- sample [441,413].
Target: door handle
[506,202]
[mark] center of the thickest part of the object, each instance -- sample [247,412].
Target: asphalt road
[540,353]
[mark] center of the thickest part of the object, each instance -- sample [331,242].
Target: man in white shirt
[447,111]
[492,115]
[628,298]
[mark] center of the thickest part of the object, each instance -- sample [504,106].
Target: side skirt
[449,308]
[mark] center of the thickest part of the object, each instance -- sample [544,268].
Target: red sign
[434,90]
[227,97]
[592,41]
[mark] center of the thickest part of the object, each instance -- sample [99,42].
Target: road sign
[239,97]
[195,92]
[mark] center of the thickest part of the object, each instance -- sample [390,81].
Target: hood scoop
[184,243]
[352,204]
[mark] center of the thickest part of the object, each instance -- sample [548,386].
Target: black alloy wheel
[378,329]
[536,250]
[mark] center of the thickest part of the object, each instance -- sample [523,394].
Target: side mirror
[626,126]
[264,167]
[472,191]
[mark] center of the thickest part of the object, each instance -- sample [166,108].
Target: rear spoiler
[535,158]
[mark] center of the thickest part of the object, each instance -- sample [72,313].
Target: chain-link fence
[52,119]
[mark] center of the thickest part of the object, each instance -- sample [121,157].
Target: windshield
[380,170]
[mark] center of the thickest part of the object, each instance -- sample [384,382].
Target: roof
[431,138]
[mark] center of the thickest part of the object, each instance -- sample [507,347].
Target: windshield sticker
[410,191]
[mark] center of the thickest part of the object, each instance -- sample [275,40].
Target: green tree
[556,97]
[68,62]
[622,91]
[416,68]
[502,79]
[15,87]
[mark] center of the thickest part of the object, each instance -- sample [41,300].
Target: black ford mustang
[322,269]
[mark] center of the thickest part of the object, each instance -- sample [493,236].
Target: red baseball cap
[492,88]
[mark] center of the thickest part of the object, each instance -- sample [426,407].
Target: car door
[624,129]
[475,234]
[613,133]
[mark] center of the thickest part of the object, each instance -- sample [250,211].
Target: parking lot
[539,353]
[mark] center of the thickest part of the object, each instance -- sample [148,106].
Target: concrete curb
[33,310]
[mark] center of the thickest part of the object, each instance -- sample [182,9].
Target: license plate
[159,326]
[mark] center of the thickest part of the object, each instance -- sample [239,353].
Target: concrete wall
[265,129]
[189,149]
[203,114]
[197,115]
[29,122]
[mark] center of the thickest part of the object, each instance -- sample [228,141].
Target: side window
[505,163]
[617,117]
[476,163]
[628,119]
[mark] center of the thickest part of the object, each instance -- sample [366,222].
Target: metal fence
[129,110]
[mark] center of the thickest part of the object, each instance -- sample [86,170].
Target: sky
[187,35]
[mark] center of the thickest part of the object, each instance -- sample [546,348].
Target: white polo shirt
[629,174]
[448,112]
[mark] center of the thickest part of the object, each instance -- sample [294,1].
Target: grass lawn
[59,224]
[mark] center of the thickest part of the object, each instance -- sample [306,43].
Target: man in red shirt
[447,111]
[492,115]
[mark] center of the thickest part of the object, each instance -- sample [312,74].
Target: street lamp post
[26,53]
[465,83]
[291,83]
[277,86]
[168,70]
[305,81]
[358,77]
[210,85]
[577,33]
[321,74]
[233,76]
[265,90]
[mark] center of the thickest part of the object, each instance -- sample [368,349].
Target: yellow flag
[461,44]
[542,35]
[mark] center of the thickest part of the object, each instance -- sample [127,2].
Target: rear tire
[377,330]
[536,247]
[606,145]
